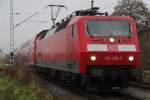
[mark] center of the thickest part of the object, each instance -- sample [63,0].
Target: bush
[22,72]
[20,82]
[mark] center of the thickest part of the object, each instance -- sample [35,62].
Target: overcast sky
[27,8]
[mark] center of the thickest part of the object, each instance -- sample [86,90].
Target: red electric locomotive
[86,49]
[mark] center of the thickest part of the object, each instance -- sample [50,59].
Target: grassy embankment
[20,83]
[11,89]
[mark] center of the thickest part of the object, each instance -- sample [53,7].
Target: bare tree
[134,8]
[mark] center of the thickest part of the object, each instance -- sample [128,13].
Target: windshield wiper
[129,36]
[89,32]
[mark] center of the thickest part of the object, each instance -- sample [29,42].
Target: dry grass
[22,72]
[3,61]
[11,89]
[146,76]
[24,84]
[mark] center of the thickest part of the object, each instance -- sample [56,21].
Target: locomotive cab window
[109,28]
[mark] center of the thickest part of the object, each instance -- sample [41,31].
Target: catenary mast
[11,32]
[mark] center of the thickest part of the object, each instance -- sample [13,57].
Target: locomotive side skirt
[68,66]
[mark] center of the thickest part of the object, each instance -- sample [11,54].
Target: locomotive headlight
[93,58]
[131,58]
[112,40]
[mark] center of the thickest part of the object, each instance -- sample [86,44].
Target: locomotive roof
[74,19]
[77,18]
[92,13]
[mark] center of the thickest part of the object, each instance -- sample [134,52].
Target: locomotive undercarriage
[97,79]
[107,79]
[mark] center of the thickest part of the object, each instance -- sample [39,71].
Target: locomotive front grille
[107,71]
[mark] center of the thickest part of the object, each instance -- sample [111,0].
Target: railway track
[91,95]
[140,85]
[112,96]
[141,90]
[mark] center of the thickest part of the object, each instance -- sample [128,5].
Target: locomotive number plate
[113,58]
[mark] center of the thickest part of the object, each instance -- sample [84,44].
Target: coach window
[74,30]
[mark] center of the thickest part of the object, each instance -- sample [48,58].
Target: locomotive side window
[74,30]
[43,34]
[51,32]
[109,28]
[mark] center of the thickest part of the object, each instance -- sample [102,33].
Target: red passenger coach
[89,50]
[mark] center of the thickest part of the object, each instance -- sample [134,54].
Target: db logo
[112,48]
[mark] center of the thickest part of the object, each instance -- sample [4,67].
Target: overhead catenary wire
[12,29]
[33,14]
[38,21]
[26,19]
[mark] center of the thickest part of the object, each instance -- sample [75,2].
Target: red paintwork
[61,46]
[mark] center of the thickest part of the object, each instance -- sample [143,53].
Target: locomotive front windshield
[108,28]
